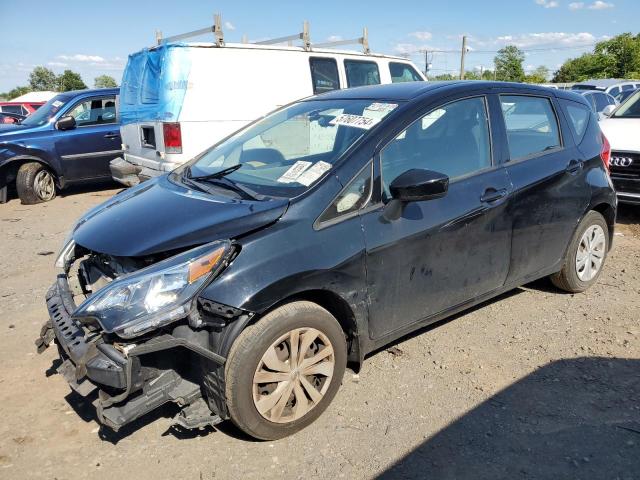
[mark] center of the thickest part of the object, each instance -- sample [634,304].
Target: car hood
[622,133]
[11,127]
[159,216]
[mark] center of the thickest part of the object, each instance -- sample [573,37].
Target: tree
[41,78]
[105,81]
[70,80]
[539,75]
[445,76]
[618,57]
[16,92]
[508,63]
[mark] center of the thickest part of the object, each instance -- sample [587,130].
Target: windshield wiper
[219,174]
[231,185]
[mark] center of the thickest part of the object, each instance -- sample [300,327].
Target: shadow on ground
[571,419]
[97,188]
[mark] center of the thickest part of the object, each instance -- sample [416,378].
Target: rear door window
[401,72]
[13,109]
[361,73]
[324,75]
[532,126]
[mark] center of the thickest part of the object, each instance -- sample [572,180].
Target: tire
[246,363]
[573,277]
[35,183]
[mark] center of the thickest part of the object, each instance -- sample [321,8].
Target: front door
[85,151]
[437,254]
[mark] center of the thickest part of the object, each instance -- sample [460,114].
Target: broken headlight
[156,295]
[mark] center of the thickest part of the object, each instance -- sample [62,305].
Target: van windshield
[285,153]
[46,112]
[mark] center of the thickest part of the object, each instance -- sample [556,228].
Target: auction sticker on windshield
[312,174]
[294,172]
[356,121]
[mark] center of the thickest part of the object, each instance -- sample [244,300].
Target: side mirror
[608,110]
[66,123]
[416,184]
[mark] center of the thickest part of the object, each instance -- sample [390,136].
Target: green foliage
[105,81]
[41,78]
[508,64]
[444,76]
[539,75]
[16,92]
[70,80]
[618,57]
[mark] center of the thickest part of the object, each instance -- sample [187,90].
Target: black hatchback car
[241,284]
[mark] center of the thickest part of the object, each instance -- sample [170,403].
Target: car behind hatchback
[241,284]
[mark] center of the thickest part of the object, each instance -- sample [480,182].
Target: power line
[525,50]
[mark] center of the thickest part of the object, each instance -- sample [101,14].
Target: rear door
[437,254]
[546,169]
[85,151]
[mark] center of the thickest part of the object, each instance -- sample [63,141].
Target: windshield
[46,112]
[630,108]
[285,153]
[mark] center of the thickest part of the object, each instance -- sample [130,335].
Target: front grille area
[625,171]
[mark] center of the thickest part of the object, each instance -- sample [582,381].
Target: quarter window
[352,198]
[601,101]
[361,73]
[324,75]
[452,139]
[401,72]
[579,119]
[531,124]
[96,111]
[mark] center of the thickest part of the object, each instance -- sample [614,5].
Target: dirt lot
[536,384]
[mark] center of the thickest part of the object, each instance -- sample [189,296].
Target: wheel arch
[609,214]
[339,308]
[9,169]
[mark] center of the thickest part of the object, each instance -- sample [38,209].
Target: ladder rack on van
[216,29]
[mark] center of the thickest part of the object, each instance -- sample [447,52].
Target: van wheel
[585,256]
[283,372]
[35,183]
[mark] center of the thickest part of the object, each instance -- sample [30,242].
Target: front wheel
[35,183]
[283,372]
[585,256]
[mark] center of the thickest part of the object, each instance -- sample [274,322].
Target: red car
[19,108]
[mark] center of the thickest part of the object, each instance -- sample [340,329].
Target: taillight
[172,137]
[605,152]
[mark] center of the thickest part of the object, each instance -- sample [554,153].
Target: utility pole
[464,52]
[426,64]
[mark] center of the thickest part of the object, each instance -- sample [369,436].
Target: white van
[176,100]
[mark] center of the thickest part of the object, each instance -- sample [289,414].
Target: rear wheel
[35,183]
[283,372]
[585,256]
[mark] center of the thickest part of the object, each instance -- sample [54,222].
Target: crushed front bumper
[125,172]
[127,388]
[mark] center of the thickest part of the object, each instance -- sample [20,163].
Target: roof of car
[410,90]
[92,91]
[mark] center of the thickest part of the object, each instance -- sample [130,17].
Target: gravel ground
[535,384]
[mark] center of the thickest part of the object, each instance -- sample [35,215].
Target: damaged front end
[135,329]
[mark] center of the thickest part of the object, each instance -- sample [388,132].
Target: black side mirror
[416,185]
[66,123]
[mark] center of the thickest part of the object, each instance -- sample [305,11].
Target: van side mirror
[417,184]
[66,123]
[608,110]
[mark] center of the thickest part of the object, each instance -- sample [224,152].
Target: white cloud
[57,64]
[405,48]
[229,26]
[79,57]
[421,35]
[600,5]
[334,38]
[560,39]
[576,5]
[547,3]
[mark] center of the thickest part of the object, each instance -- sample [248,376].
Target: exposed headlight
[66,254]
[156,295]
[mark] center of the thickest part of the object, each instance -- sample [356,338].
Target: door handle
[574,166]
[491,195]
[111,135]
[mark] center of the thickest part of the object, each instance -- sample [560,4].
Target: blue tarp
[154,83]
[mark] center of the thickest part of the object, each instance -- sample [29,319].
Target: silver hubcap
[591,252]
[293,375]
[44,186]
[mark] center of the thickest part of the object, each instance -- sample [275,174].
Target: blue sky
[95,37]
